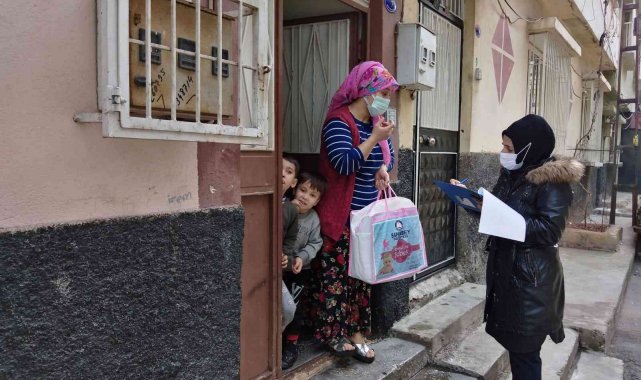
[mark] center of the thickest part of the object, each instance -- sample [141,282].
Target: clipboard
[461,196]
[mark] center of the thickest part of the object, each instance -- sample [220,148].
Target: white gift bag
[386,240]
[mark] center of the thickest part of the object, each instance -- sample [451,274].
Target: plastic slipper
[362,350]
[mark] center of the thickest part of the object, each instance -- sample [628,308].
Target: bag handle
[388,192]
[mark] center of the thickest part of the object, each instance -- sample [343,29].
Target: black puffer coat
[525,291]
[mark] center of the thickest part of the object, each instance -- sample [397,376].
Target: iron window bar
[238,130]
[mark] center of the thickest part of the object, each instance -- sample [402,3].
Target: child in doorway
[290,231]
[308,193]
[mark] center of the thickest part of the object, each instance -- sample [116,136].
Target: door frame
[267,188]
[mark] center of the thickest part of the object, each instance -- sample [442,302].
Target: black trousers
[526,366]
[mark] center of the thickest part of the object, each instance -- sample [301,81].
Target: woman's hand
[456,182]
[284,260]
[382,130]
[382,178]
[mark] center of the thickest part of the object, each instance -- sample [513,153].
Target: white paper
[499,219]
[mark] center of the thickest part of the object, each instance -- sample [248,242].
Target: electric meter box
[416,61]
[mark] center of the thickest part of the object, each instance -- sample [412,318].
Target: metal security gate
[437,141]
[316,59]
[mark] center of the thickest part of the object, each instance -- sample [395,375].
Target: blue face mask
[378,106]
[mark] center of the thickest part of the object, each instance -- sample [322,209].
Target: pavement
[594,286]
[627,335]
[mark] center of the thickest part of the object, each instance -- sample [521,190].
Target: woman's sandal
[339,350]
[362,349]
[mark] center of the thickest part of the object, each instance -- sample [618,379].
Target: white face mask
[378,106]
[508,160]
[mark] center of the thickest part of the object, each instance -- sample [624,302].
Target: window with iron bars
[454,7]
[589,145]
[549,90]
[194,70]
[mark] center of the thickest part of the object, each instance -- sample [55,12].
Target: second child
[307,194]
[290,230]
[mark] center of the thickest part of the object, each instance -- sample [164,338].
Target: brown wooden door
[260,181]
[259,327]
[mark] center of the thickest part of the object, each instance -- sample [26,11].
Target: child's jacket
[290,228]
[309,240]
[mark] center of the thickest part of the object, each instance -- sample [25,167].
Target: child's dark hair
[316,181]
[294,162]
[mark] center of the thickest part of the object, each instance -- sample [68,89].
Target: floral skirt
[341,303]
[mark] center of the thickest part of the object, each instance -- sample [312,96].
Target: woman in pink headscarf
[355,158]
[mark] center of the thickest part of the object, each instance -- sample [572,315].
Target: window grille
[442,101]
[453,6]
[316,60]
[549,91]
[195,70]
[589,144]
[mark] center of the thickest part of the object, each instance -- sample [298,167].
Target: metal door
[437,142]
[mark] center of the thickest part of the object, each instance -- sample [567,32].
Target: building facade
[140,182]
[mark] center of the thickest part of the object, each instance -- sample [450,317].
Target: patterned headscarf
[365,78]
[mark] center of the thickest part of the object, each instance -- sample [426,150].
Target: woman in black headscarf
[525,293]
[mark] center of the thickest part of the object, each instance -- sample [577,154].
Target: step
[435,374]
[395,359]
[596,366]
[444,319]
[478,355]
[436,285]
[313,359]
[559,359]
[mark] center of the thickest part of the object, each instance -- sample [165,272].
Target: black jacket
[525,291]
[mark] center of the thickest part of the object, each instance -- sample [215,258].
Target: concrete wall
[148,297]
[53,170]
[489,115]
[592,11]
[484,114]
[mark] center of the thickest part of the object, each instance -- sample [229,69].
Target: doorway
[321,42]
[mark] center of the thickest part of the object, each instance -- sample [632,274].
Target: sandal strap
[362,348]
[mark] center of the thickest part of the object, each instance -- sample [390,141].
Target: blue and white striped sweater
[347,159]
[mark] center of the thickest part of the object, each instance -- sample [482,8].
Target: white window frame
[113,78]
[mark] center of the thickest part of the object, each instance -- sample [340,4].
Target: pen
[464,180]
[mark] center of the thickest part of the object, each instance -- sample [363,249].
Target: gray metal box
[416,61]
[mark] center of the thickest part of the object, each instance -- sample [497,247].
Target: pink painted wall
[53,170]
